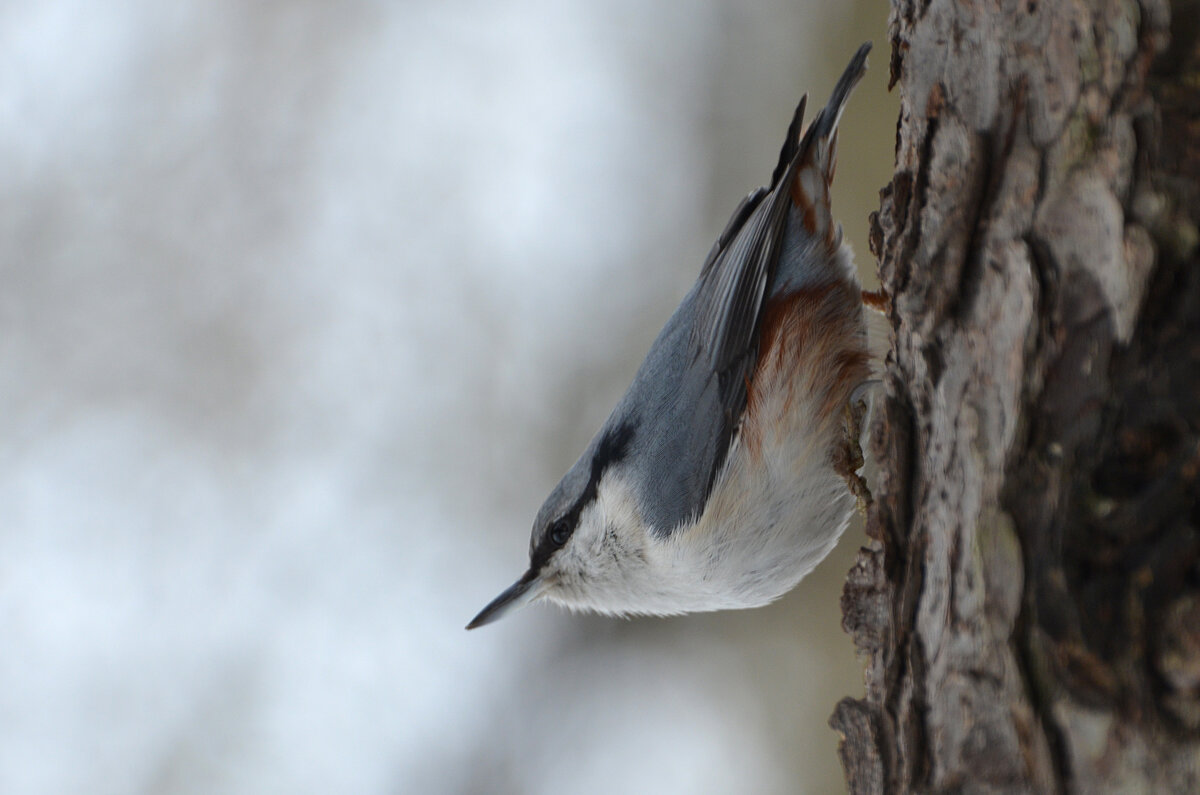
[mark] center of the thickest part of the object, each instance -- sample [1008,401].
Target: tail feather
[814,158]
[828,117]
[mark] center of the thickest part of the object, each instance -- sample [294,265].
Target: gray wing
[687,399]
[689,394]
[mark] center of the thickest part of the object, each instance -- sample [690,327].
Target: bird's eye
[559,532]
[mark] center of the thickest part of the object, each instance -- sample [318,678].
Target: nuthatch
[713,484]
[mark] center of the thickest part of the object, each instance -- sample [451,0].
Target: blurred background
[305,307]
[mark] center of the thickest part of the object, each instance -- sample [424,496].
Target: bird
[715,482]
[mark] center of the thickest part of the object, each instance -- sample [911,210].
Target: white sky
[305,307]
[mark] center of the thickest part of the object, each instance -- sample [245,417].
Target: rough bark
[1029,608]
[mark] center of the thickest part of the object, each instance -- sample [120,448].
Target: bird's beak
[519,594]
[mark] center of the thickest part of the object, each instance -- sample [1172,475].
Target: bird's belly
[779,506]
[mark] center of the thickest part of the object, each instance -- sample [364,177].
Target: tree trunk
[1029,607]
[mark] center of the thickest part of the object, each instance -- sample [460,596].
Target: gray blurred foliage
[304,308]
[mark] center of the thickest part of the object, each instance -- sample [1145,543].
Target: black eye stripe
[612,448]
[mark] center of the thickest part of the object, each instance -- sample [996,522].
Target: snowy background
[304,308]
